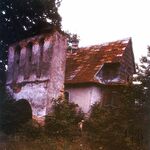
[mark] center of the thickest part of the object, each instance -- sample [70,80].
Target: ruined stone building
[36,70]
[39,67]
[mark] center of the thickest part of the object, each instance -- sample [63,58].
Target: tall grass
[45,144]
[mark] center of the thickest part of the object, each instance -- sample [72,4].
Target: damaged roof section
[84,65]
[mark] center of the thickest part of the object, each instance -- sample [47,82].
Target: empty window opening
[66,95]
[41,43]
[17,54]
[109,72]
[29,46]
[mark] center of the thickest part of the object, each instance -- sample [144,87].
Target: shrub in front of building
[64,119]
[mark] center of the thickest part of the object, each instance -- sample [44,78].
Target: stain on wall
[84,96]
[36,70]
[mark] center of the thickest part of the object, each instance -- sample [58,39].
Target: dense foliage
[12,113]
[126,126]
[111,128]
[143,75]
[63,121]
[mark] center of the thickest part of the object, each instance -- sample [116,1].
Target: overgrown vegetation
[12,113]
[61,131]
[125,127]
[107,128]
[63,121]
[112,128]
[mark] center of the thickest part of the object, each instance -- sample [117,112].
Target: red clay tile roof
[82,65]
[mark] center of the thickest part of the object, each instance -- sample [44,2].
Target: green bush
[13,114]
[108,128]
[64,119]
[30,130]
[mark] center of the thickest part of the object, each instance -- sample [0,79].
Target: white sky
[99,21]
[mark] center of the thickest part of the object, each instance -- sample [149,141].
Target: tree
[111,128]
[21,19]
[143,77]
[12,113]
[126,126]
[64,119]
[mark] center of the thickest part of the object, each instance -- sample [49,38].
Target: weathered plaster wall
[96,94]
[36,69]
[36,94]
[85,97]
[34,59]
[57,69]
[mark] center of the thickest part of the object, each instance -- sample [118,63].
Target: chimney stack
[74,41]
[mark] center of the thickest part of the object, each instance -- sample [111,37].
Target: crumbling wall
[36,69]
[36,94]
[57,67]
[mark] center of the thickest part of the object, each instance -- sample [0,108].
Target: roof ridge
[105,43]
[83,64]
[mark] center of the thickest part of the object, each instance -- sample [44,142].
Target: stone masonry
[36,70]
